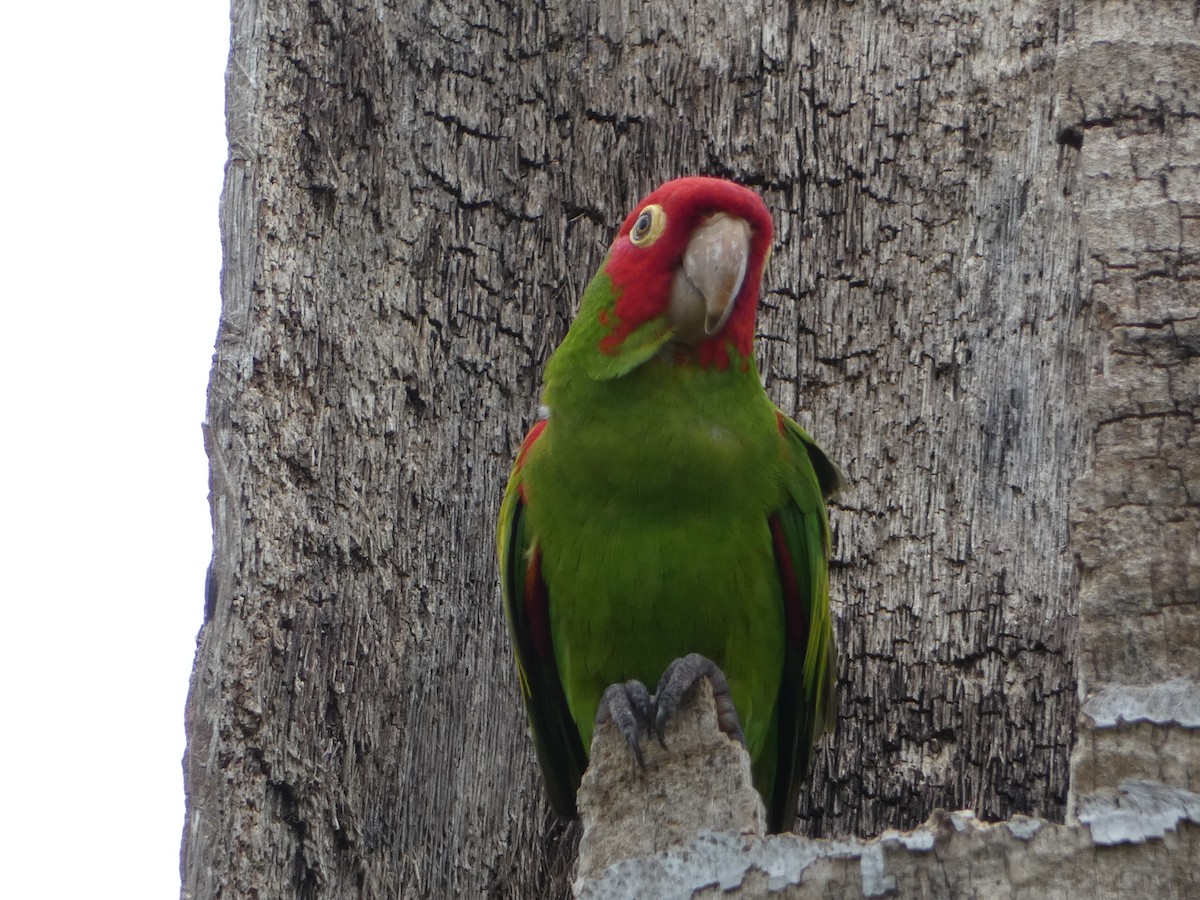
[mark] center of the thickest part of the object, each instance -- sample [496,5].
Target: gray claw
[679,677]
[629,706]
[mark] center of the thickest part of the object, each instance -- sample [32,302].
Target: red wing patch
[534,433]
[793,613]
[537,613]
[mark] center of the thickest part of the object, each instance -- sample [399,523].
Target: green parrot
[664,520]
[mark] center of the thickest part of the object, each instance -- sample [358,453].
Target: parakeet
[663,515]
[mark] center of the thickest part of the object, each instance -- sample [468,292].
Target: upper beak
[707,284]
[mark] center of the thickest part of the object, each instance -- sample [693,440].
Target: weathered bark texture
[951,856]
[416,194]
[699,781]
[1131,77]
[685,826]
[1135,774]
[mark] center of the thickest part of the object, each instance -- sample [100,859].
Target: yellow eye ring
[648,226]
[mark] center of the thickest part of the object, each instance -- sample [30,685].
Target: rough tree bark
[415,195]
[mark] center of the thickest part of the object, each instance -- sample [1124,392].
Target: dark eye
[641,227]
[648,226]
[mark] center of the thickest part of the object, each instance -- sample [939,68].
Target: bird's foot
[679,677]
[629,706]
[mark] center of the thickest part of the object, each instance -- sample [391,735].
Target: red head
[692,252]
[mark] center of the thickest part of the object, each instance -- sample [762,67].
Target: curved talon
[678,678]
[629,706]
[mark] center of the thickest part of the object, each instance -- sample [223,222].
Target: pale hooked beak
[708,282]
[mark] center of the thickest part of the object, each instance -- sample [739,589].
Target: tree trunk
[416,194]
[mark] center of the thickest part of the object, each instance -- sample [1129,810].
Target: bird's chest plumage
[651,517]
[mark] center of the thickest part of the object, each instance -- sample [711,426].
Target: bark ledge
[700,782]
[690,825]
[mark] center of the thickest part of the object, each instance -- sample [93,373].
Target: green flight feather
[559,748]
[806,707]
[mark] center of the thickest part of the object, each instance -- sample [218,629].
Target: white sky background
[112,149]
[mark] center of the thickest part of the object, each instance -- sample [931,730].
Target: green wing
[800,531]
[527,607]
